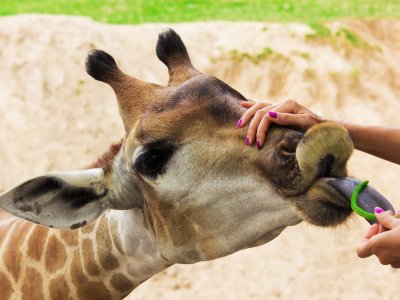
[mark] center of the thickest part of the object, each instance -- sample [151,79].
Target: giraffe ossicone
[181,188]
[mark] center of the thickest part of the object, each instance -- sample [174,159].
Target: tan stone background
[55,117]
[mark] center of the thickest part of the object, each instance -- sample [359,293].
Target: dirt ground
[53,116]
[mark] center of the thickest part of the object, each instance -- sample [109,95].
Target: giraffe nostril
[325,166]
[288,146]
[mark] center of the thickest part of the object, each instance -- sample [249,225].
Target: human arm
[383,142]
[380,141]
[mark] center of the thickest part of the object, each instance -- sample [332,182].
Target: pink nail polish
[378,210]
[247,140]
[258,144]
[273,114]
[239,123]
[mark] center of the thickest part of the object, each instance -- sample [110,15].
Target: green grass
[342,38]
[265,54]
[172,11]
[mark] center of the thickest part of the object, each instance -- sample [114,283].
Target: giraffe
[179,188]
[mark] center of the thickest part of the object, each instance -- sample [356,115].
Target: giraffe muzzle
[324,151]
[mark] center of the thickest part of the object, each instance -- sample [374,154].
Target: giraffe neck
[136,244]
[93,262]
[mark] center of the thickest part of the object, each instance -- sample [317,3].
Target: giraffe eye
[152,162]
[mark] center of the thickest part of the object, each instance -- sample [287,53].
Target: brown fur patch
[88,258]
[32,288]
[5,287]
[37,242]
[93,290]
[104,246]
[121,283]
[56,255]
[70,237]
[58,289]
[88,228]
[106,158]
[12,256]
[77,275]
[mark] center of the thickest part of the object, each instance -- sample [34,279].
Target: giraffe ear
[66,200]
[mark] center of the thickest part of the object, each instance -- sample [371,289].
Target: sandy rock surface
[53,116]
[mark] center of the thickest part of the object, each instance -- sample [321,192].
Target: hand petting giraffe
[181,187]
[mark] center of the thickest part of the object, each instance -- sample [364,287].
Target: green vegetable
[354,205]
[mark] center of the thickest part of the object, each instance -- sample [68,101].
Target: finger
[289,106]
[385,259]
[385,218]
[266,121]
[250,113]
[373,230]
[382,228]
[247,104]
[365,248]
[301,121]
[262,129]
[255,122]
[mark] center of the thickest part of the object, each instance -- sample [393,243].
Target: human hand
[383,239]
[261,115]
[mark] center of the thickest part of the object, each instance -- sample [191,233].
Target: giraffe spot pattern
[88,258]
[70,237]
[104,246]
[5,287]
[58,289]
[33,285]
[77,275]
[88,228]
[121,283]
[12,255]
[55,255]
[93,290]
[37,242]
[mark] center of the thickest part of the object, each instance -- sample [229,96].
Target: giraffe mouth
[368,198]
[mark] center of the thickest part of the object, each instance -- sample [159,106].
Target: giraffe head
[184,163]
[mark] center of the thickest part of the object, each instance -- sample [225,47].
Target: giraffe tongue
[368,198]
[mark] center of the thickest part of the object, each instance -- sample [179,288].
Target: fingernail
[273,114]
[247,140]
[378,210]
[239,123]
[258,144]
